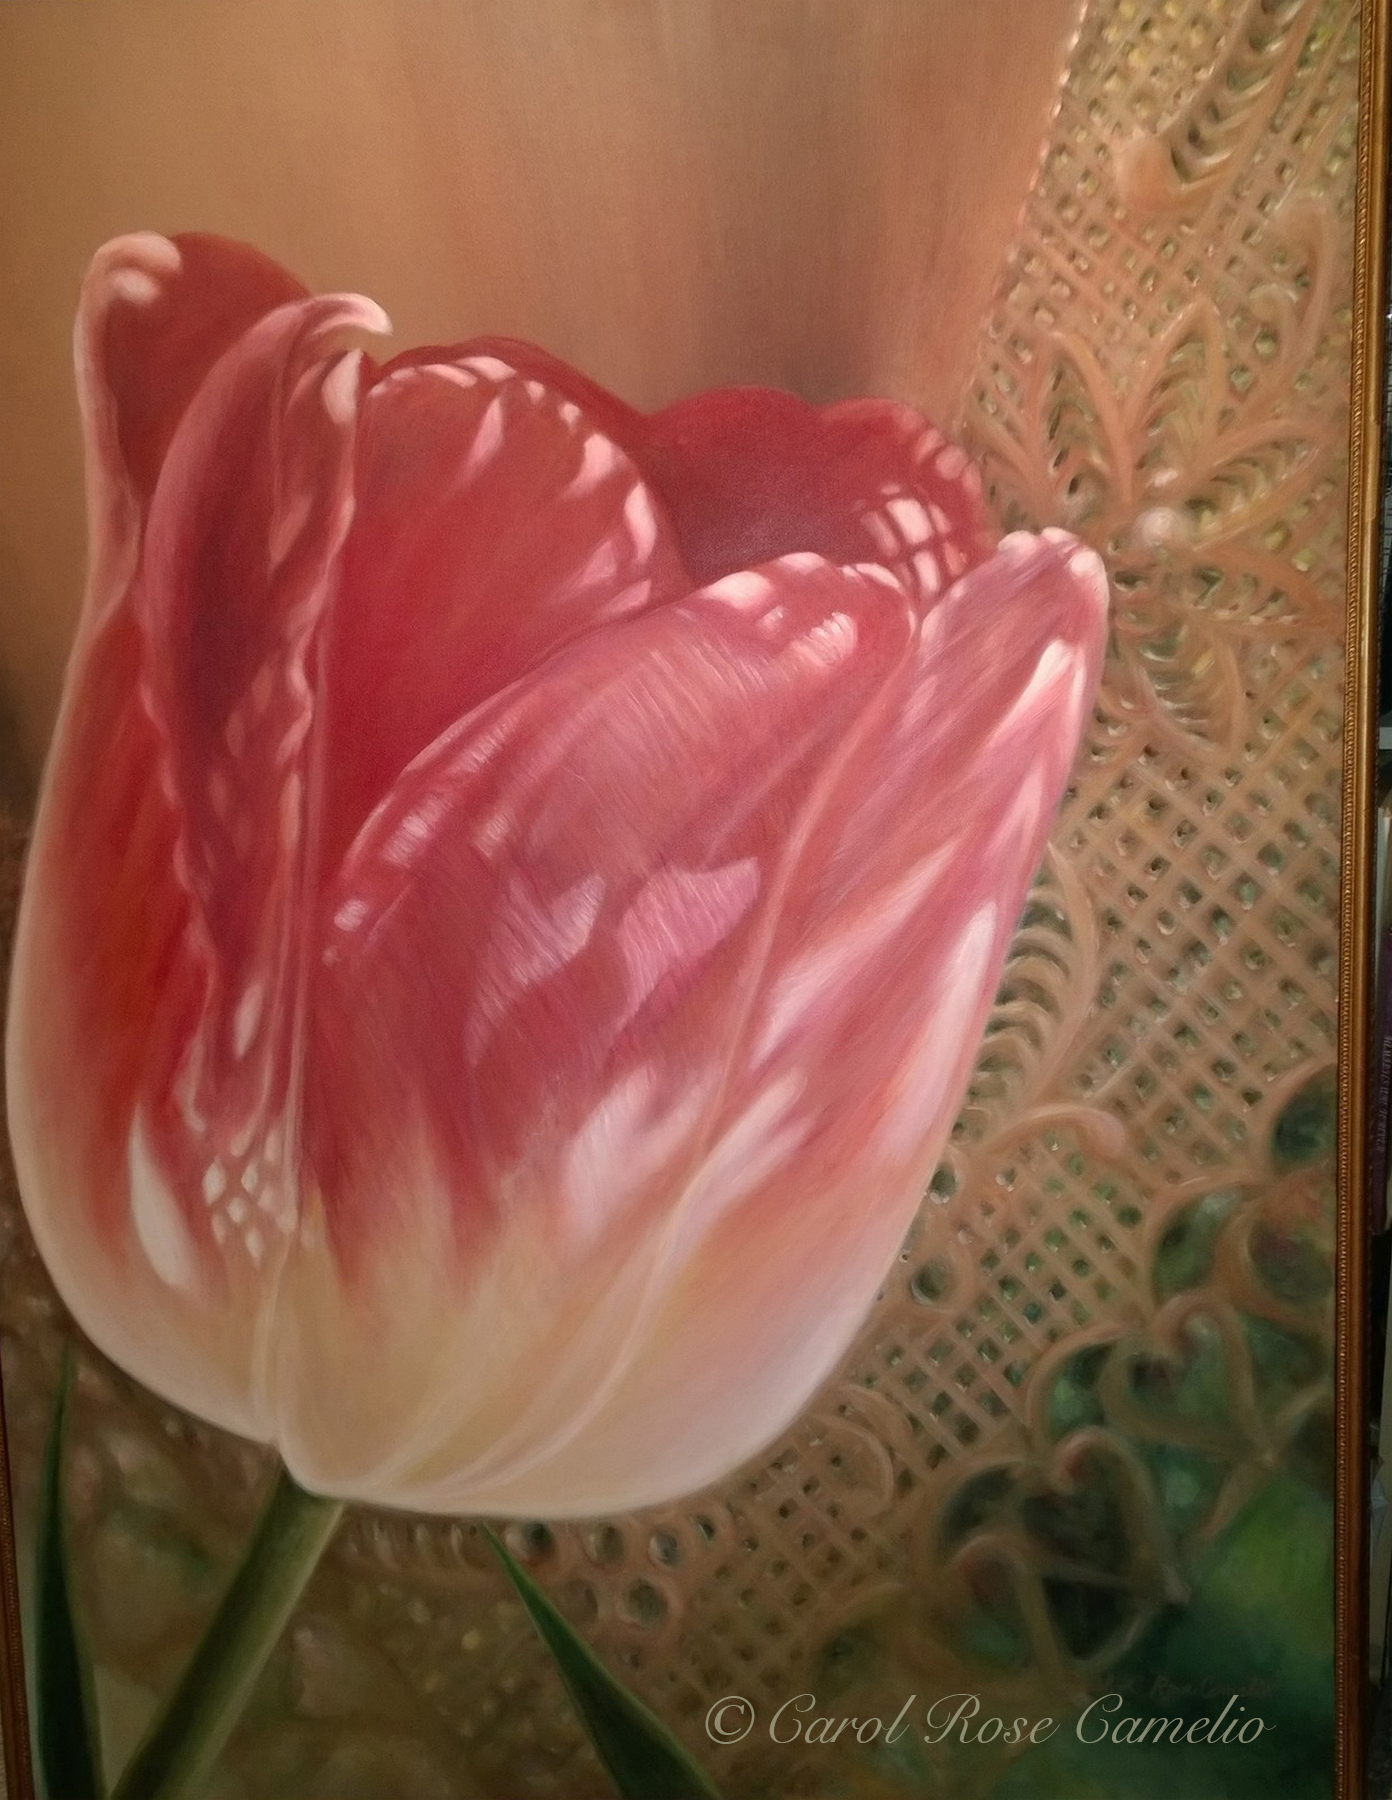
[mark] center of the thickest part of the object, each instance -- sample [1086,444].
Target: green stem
[174,1758]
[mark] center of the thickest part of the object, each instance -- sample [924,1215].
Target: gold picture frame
[1357,957]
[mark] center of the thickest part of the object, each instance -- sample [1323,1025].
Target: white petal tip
[372,317]
[1088,570]
[132,268]
[352,312]
[340,389]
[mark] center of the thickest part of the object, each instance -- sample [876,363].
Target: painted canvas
[673,680]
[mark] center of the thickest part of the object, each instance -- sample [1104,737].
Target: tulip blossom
[518,887]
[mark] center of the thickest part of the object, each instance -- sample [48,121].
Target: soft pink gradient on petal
[866,1034]
[155,315]
[242,545]
[746,475]
[155,897]
[577,881]
[101,922]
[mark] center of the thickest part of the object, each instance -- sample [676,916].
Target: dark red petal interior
[750,473]
[155,354]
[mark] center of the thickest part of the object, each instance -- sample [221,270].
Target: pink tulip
[518,887]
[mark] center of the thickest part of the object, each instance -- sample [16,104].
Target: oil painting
[675,755]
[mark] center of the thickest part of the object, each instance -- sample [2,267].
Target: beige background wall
[673,193]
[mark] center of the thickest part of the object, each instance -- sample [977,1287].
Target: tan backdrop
[672,193]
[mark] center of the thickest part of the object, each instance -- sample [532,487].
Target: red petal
[892,942]
[749,1324]
[99,934]
[181,313]
[494,523]
[641,1249]
[241,550]
[570,887]
[749,473]
[155,970]
[154,317]
[888,952]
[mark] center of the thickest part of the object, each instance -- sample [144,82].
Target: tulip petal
[949,808]
[560,868]
[506,985]
[750,473]
[155,315]
[746,475]
[494,522]
[541,955]
[252,506]
[156,949]
[780,1238]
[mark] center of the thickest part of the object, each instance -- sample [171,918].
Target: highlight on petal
[946,813]
[676,918]
[673,759]
[686,738]
[746,475]
[244,534]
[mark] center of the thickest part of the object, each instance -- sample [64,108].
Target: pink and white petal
[558,874]
[938,830]
[893,938]
[101,974]
[774,1249]
[154,315]
[764,1264]
[432,1377]
[99,932]
[495,522]
[241,557]
[543,949]
[753,1321]
[993,711]
[156,995]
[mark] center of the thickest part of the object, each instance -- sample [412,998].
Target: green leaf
[66,1737]
[644,1759]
